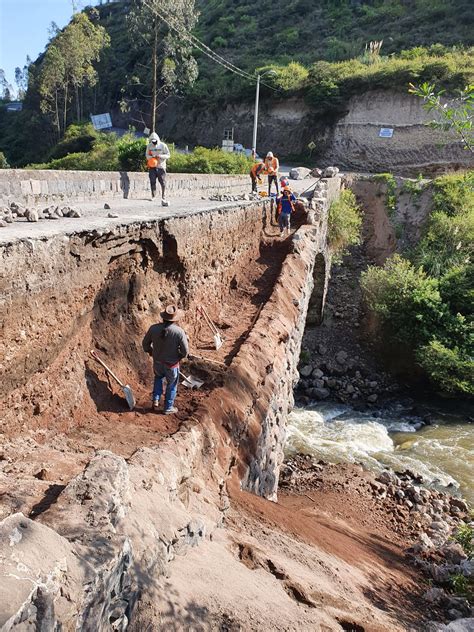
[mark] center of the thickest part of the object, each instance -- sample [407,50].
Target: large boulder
[299,173]
[43,578]
[330,172]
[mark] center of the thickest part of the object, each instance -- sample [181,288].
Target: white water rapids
[443,453]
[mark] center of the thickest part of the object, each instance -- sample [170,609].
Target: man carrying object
[157,153]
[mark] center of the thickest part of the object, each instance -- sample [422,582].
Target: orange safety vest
[272,165]
[257,169]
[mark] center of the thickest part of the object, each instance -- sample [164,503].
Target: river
[443,452]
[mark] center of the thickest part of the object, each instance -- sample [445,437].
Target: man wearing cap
[168,344]
[272,166]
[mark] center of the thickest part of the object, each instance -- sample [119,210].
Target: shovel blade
[127,391]
[217,342]
[191,382]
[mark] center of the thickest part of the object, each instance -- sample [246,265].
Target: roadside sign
[386,132]
[101,121]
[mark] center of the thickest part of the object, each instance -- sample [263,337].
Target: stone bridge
[109,495]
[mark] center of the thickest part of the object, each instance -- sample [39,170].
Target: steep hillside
[316,51]
[305,30]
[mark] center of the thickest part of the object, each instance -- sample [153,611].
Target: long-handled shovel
[127,391]
[212,327]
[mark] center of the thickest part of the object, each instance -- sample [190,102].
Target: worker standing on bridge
[272,166]
[256,173]
[285,206]
[168,344]
[157,153]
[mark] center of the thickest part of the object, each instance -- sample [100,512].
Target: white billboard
[101,121]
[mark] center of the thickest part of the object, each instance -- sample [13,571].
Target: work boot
[156,405]
[164,202]
[171,411]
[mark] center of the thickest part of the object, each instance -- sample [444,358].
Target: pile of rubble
[342,378]
[230,197]
[17,212]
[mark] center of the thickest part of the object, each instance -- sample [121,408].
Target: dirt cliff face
[349,137]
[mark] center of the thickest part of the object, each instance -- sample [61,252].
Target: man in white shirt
[157,153]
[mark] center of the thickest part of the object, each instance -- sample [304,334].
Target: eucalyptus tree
[163,62]
[68,66]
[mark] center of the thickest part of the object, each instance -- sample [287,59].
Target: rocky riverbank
[434,528]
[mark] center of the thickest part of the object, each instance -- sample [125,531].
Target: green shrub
[391,193]
[128,153]
[79,138]
[3,161]
[454,194]
[465,537]
[131,153]
[461,585]
[344,223]
[203,160]
[448,242]
[456,287]
[405,299]
[452,369]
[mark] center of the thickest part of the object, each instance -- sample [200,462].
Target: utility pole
[155,72]
[255,120]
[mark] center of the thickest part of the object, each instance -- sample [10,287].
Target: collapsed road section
[152,485]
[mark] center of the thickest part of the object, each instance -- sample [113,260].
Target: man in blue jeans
[168,344]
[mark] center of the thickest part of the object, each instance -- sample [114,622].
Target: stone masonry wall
[31,186]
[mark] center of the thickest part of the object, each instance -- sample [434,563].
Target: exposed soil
[326,556]
[41,454]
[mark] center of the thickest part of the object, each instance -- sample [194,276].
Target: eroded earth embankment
[112,517]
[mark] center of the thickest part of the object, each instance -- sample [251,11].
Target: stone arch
[318,296]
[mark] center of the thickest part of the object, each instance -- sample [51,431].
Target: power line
[206,50]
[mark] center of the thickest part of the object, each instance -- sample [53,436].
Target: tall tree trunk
[65,108]
[155,77]
[57,121]
[78,104]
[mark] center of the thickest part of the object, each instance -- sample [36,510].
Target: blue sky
[24,28]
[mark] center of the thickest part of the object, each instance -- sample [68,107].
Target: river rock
[306,370]
[331,172]
[74,213]
[32,215]
[3,223]
[434,595]
[341,357]
[112,215]
[299,173]
[453,553]
[461,625]
[316,173]
[372,398]
[459,503]
[318,374]
[318,393]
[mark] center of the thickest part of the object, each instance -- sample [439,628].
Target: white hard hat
[270,154]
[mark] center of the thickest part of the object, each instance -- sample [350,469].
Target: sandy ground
[313,561]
